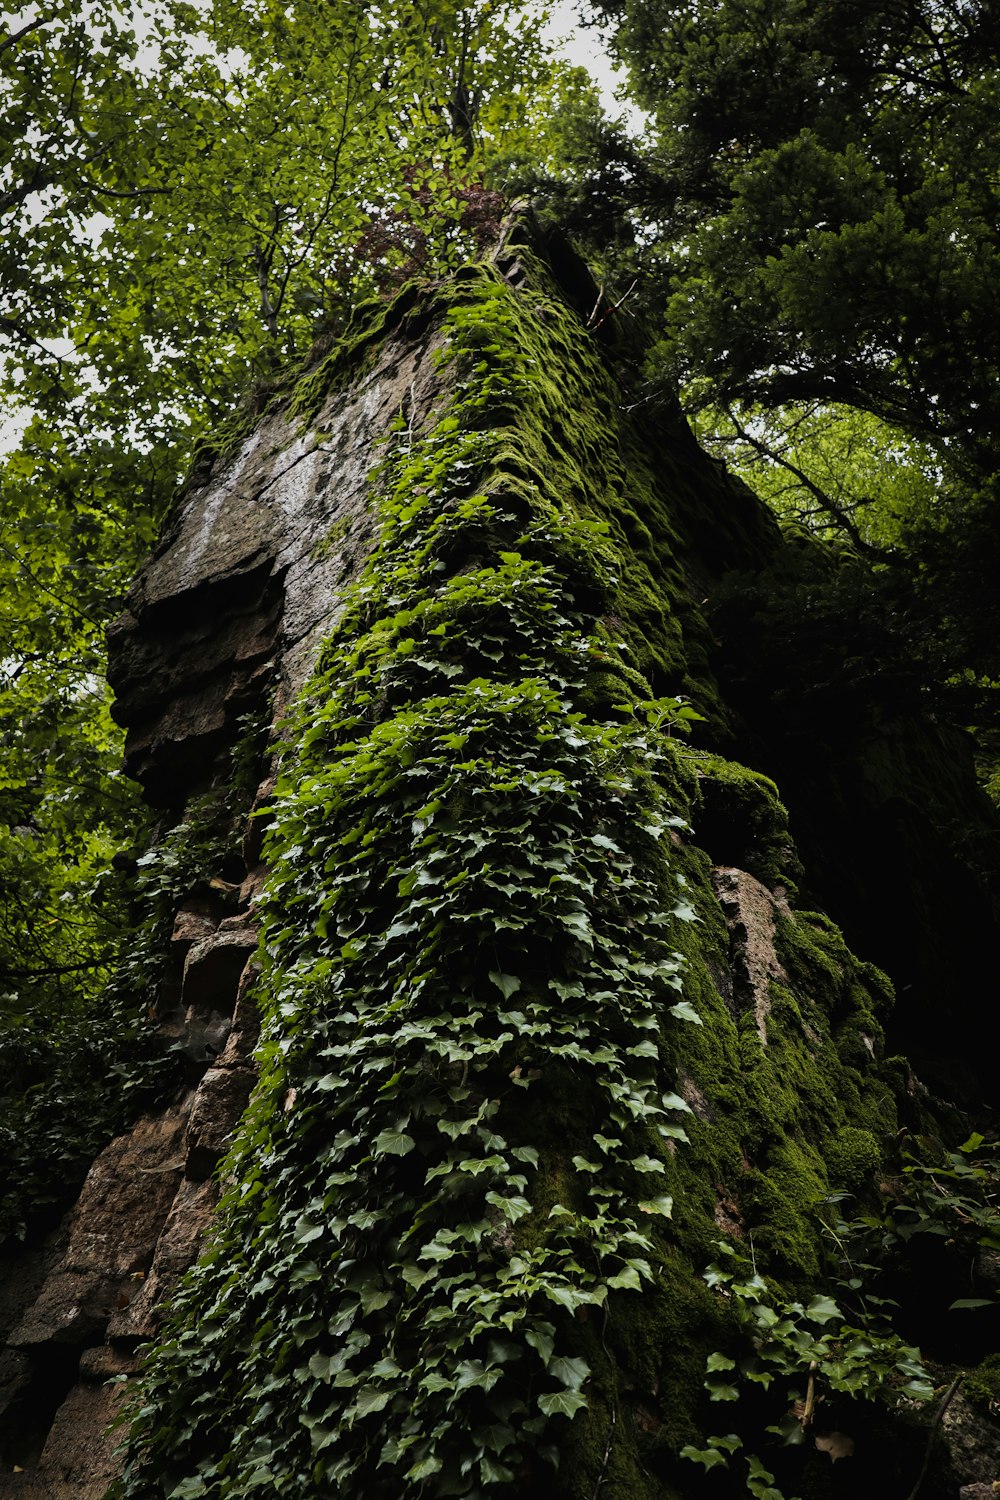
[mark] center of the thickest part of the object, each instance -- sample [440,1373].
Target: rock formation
[785,1066]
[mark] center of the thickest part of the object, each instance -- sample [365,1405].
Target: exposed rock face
[749,911]
[251,573]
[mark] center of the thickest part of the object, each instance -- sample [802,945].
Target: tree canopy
[829,203]
[810,225]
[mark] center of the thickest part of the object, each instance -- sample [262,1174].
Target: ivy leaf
[415,1277]
[371,1400]
[572,1372]
[709,1458]
[720,1391]
[823,1309]
[567,1296]
[425,1468]
[507,984]
[719,1361]
[626,1281]
[393,1143]
[494,1472]
[512,1208]
[663,1205]
[542,1339]
[305,1231]
[674,1101]
[562,1403]
[685,1011]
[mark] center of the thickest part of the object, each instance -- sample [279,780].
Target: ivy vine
[468,970]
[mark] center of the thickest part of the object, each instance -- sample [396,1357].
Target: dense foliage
[811,231]
[811,220]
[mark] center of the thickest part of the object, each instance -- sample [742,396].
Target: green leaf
[415,1277]
[709,1458]
[685,1011]
[823,1310]
[507,984]
[562,1403]
[542,1339]
[572,1372]
[371,1400]
[719,1390]
[494,1472]
[625,1281]
[393,1143]
[674,1101]
[662,1205]
[719,1361]
[425,1468]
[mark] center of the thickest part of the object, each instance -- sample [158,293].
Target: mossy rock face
[982,1385]
[740,820]
[899,843]
[542,1026]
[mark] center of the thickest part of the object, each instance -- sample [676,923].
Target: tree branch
[823,500]
[16,36]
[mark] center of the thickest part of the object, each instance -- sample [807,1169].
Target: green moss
[328,544]
[782,1198]
[741,820]
[852,1156]
[982,1385]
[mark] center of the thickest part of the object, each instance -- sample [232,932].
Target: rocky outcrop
[251,573]
[223,627]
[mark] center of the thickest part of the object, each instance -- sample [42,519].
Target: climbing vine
[806,1352]
[469,968]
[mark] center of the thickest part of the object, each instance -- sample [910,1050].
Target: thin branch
[612,307]
[53,970]
[823,500]
[73,608]
[607,1454]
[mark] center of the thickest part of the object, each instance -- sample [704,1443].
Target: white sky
[585,47]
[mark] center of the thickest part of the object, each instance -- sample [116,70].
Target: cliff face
[544,1020]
